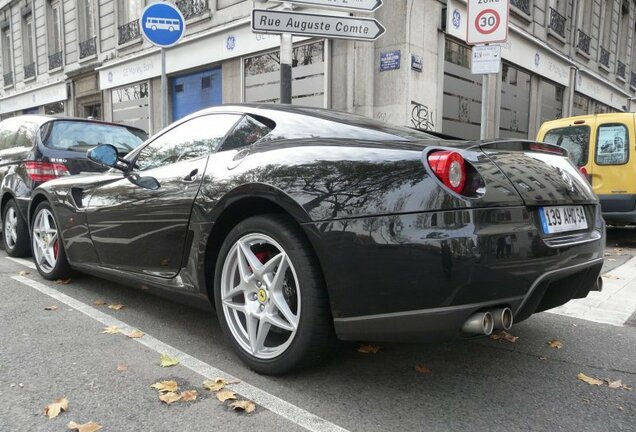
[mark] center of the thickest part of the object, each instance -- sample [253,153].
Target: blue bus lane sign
[162,24]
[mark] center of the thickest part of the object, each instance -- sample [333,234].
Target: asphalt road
[482,385]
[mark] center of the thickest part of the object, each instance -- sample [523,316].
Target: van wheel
[15,234]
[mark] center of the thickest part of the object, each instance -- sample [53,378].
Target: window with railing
[54,30]
[7,79]
[557,22]
[632,79]
[604,57]
[28,47]
[621,69]
[88,48]
[193,8]
[583,42]
[128,14]
[7,60]
[522,5]
[86,28]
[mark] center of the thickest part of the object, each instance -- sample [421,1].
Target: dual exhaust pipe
[486,321]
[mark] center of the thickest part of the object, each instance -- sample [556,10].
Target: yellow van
[600,145]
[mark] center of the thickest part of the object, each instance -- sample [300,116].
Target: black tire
[18,247]
[61,269]
[314,336]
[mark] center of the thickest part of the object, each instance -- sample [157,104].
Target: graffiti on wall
[422,116]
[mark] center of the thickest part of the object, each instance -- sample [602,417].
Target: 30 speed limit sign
[487,21]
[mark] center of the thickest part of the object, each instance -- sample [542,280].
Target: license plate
[562,219]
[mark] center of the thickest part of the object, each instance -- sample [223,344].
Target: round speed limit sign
[487,21]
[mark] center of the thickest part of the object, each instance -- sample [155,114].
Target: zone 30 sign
[487,21]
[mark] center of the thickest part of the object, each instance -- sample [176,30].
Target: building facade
[87,58]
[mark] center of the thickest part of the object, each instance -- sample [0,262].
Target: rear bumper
[420,276]
[619,208]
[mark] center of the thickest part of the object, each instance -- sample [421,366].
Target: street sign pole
[164,90]
[286,58]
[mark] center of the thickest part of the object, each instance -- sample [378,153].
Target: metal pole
[488,89]
[286,54]
[164,90]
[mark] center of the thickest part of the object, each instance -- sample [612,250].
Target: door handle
[192,177]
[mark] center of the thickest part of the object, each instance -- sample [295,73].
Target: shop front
[48,99]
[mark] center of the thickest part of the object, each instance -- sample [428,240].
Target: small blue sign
[162,24]
[390,60]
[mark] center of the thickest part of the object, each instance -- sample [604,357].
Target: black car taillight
[450,168]
[44,171]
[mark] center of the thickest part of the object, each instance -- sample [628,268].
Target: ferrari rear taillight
[450,168]
[44,171]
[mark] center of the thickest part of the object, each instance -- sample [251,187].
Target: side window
[192,139]
[612,144]
[8,131]
[248,131]
[574,139]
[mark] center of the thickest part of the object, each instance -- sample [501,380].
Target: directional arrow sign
[351,5]
[306,24]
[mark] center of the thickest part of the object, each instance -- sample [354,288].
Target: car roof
[587,117]
[39,120]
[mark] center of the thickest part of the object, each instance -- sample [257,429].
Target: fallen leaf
[243,405]
[591,381]
[54,409]
[610,260]
[166,386]
[543,358]
[116,306]
[166,361]
[555,344]
[504,335]
[369,349]
[189,395]
[63,281]
[86,427]
[226,395]
[422,369]
[586,401]
[122,367]
[609,276]
[170,397]
[215,385]
[620,408]
[608,254]
[99,302]
[24,273]
[615,384]
[136,334]
[51,308]
[111,330]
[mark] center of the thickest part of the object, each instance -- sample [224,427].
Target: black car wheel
[15,234]
[270,296]
[48,250]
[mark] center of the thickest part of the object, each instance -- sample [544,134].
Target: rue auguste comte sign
[308,24]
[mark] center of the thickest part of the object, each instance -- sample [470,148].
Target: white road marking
[23,261]
[274,404]
[614,305]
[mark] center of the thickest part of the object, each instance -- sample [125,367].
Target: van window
[575,139]
[612,145]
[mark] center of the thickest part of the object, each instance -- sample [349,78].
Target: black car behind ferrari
[301,225]
[35,149]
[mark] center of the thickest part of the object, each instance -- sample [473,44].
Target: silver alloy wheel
[10,230]
[45,240]
[260,295]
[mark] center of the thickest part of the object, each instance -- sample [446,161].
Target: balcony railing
[557,22]
[88,48]
[632,79]
[8,79]
[29,71]
[584,42]
[522,5]
[620,69]
[129,32]
[603,58]
[55,60]
[193,8]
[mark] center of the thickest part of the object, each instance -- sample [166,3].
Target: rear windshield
[575,139]
[82,136]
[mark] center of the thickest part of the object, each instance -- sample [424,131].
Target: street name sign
[486,59]
[351,5]
[162,24]
[487,21]
[308,24]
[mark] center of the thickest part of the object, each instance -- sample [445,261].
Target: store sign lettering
[132,71]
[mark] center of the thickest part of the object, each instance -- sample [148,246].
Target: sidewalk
[614,305]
